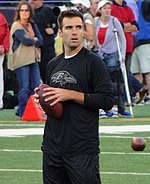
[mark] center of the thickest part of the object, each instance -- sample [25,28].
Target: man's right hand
[36,98]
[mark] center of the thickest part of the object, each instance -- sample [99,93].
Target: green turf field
[21,158]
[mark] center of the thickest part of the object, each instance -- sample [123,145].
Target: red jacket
[124,14]
[4,33]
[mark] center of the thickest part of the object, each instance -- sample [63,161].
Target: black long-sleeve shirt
[44,18]
[76,132]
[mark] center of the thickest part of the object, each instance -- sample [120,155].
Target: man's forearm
[77,97]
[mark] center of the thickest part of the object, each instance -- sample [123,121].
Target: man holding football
[78,79]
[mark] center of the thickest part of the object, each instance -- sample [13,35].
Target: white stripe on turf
[124,129]
[105,153]
[21,132]
[107,173]
[123,153]
[20,170]
[21,125]
[11,150]
[102,129]
[126,173]
[119,136]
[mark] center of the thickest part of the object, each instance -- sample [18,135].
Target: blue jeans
[28,78]
[134,84]
[111,61]
[113,67]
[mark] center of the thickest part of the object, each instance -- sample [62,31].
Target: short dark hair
[70,14]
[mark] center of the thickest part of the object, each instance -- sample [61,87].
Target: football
[138,143]
[53,111]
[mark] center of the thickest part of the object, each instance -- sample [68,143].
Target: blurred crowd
[117,31]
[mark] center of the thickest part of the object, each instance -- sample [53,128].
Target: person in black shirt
[79,79]
[47,24]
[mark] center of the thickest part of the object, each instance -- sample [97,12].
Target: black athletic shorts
[71,169]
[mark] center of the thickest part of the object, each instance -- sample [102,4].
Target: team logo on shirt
[63,77]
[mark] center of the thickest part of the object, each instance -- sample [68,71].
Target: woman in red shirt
[108,50]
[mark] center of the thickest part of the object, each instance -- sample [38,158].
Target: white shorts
[140,61]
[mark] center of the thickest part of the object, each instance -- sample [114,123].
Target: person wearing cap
[89,29]
[85,3]
[107,47]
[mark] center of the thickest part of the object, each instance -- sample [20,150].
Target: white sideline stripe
[122,153]
[10,150]
[126,173]
[102,129]
[20,170]
[124,129]
[108,153]
[119,136]
[114,173]
[20,132]
[21,125]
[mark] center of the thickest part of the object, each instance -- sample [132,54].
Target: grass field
[21,158]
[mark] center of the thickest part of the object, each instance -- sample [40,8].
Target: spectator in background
[140,63]
[89,26]
[93,7]
[4,47]
[133,5]
[25,39]
[107,47]
[56,11]
[129,24]
[126,17]
[47,24]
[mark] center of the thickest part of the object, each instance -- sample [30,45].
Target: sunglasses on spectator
[24,10]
